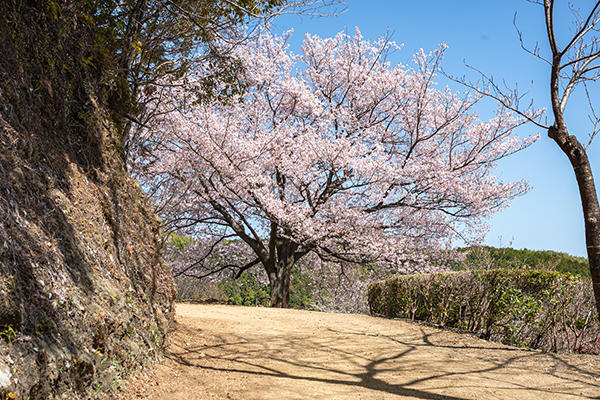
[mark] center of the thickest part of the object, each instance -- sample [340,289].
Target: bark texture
[580,65]
[279,283]
[589,199]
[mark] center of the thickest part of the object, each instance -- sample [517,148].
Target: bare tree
[575,64]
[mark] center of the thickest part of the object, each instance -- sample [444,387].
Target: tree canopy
[137,43]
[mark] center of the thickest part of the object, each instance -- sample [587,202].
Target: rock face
[84,294]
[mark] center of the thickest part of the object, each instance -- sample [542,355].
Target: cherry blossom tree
[335,152]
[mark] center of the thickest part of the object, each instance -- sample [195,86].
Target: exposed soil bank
[84,295]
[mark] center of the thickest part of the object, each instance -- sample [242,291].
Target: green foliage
[246,290]
[529,308]
[486,257]
[8,333]
[114,49]
[239,10]
[301,293]
[166,37]
[180,241]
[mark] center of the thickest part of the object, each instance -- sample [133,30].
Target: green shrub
[301,290]
[528,308]
[247,290]
[180,241]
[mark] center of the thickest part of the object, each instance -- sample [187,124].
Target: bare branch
[510,101]
[223,268]
[206,255]
[593,117]
[587,26]
[580,59]
[548,10]
[536,50]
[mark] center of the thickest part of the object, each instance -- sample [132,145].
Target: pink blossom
[335,152]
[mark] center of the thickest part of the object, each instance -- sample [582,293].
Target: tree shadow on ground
[287,357]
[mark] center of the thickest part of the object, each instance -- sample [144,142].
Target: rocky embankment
[84,294]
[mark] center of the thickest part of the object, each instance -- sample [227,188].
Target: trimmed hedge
[545,310]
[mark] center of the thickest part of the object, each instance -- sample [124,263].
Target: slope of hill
[84,295]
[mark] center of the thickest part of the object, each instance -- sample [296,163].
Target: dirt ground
[228,352]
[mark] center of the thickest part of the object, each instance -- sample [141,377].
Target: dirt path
[227,352]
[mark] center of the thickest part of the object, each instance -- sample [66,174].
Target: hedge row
[546,310]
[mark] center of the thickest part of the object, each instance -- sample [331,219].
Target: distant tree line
[487,257]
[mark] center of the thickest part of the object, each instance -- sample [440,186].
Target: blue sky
[481,33]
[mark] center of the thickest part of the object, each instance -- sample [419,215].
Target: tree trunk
[591,215]
[279,282]
[589,201]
